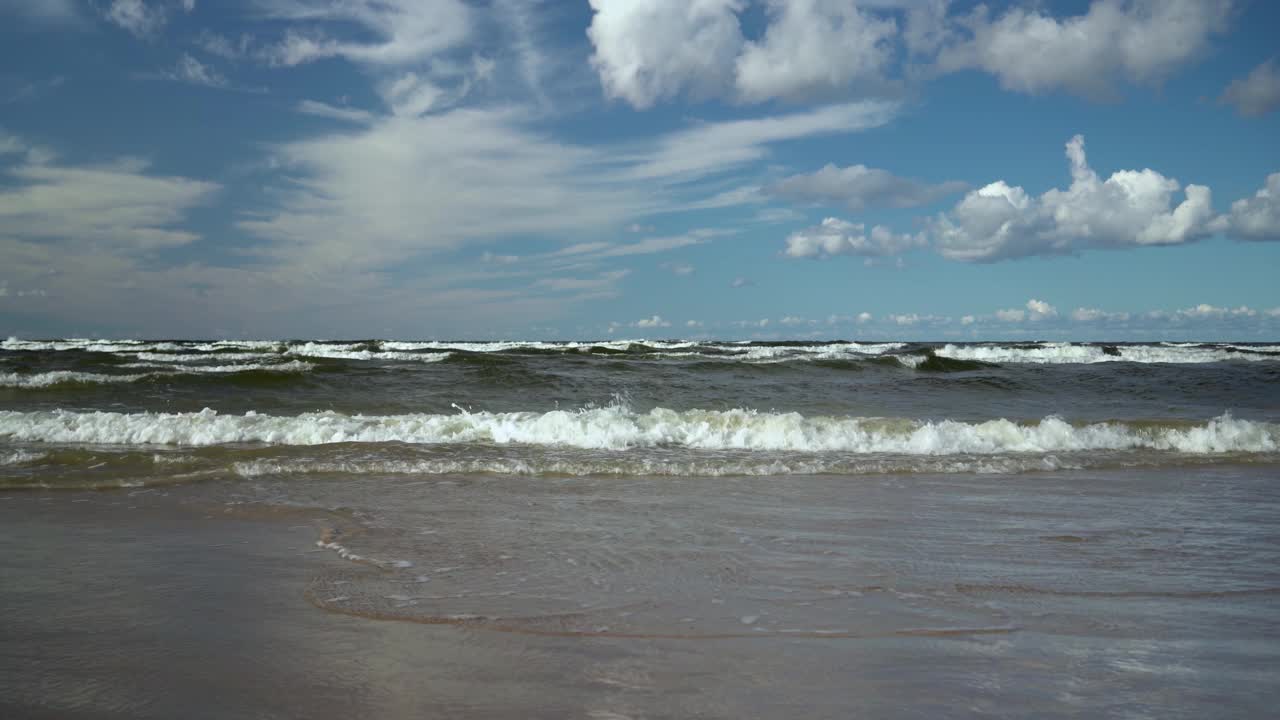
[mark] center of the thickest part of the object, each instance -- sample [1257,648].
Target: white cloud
[716,147]
[1255,218]
[410,186]
[1039,310]
[647,51]
[136,16]
[864,318]
[119,205]
[346,114]
[404,31]
[194,72]
[859,187]
[680,268]
[1083,314]
[693,323]
[1203,311]
[910,319]
[652,322]
[1142,41]
[814,48]
[1131,208]
[1011,316]
[968,320]
[658,49]
[188,5]
[792,321]
[741,282]
[1256,94]
[223,46]
[840,237]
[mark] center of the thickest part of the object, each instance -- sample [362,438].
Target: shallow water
[658,529]
[1141,593]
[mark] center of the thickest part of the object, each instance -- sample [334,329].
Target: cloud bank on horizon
[728,168]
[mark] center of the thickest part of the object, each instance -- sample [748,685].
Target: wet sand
[174,603]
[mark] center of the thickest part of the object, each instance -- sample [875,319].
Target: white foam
[360,352]
[638,465]
[200,357]
[63,377]
[617,428]
[20,457]
[1062,353]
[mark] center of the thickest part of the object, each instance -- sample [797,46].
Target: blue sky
[647,168]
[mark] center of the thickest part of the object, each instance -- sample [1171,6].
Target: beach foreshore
[164,603]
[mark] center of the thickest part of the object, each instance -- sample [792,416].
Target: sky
[587,169]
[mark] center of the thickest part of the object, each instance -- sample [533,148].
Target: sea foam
[618,428]
[1064,353]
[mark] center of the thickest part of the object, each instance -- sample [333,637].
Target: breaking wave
[56,378]
[618,428]
[1063,353]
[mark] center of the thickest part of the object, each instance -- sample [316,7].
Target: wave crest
[618,428]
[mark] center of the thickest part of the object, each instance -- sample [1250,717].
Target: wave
[65,377]
[1063,353]
[360,351]
[20,457]
[56,378]
[169,351]
[640,466]
[617,428]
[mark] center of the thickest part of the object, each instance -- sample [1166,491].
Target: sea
[776,529]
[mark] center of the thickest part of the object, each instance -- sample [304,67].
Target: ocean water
[1112,510]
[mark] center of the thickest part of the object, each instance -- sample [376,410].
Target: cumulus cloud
[401,32]
[1142,41]
[859,187]
[1039,310]
[909,319]
[864,317]
[1206,311]
[814,48]
[1255,218]
[652,322]
[657,49]
[1129,209]
[840,237]
[741,282]
[1256,94]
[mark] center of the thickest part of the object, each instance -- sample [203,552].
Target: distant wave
[1062,353]
[617,428]
[916,356]
[56,378]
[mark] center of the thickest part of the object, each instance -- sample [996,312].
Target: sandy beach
[196,602]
